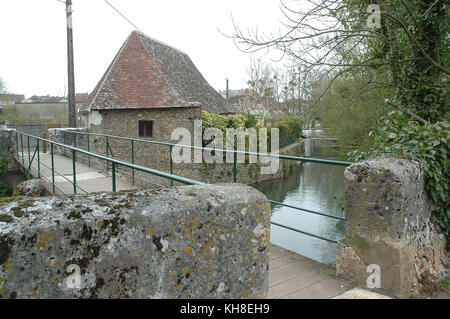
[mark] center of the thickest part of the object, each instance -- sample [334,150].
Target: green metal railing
[114,163]
[74,151]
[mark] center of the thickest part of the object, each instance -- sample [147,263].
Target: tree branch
[408,112]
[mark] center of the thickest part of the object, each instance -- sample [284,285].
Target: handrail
[172,177]
[286,157]
[308,210]
[177,178]
[304,232]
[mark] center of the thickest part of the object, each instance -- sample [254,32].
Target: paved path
[88,178]
[291,275]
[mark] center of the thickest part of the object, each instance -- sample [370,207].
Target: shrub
[428,144]
[251,120]
[289,130]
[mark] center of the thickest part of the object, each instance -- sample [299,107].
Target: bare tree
[395,40]
[3,88]
[260,76]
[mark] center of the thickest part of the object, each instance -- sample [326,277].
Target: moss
[445,284]
[6,218]
[332,270]
[359,242]
[6,200]
[26,203]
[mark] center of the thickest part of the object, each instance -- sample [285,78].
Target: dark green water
[319,187]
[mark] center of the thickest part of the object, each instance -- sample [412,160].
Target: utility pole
[70,65]
[227,94]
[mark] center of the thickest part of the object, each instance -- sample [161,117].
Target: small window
[145,128]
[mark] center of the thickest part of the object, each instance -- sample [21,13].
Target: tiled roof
[149,74]
[45,99]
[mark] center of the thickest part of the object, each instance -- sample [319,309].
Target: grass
[429,289]
[332,270]
[445,285]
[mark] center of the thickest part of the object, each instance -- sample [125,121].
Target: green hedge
[290,129]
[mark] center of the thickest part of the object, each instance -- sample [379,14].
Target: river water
[314,186]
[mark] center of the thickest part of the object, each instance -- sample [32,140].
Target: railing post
[132,158]
[234,166]
[107,152]
[74,140]
[17,145]
[89,150]
[21,147]
[44,144]
[64,142]
[113,176]
[28,145]
[53,167]
[38,159]
[171,163]
[74,172]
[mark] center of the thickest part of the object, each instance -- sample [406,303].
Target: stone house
[148,90]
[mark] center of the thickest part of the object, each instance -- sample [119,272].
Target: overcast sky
[33,58]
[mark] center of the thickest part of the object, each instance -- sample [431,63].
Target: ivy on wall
[397,135]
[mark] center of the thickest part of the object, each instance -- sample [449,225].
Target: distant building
[245,102]
[11,99]
[49,108]
[81,97]
[46,99]
[231,93]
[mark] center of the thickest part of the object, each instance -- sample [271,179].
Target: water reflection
[314,186]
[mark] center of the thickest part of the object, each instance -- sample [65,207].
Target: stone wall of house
[208,241]
[389,225]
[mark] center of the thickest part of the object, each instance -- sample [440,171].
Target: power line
[123,16]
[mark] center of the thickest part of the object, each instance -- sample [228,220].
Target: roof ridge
[160,42]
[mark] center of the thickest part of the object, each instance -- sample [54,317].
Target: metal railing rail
[106,167]
[110,160]
[114,163]
[285,157]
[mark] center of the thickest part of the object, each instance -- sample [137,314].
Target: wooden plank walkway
[292,276]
